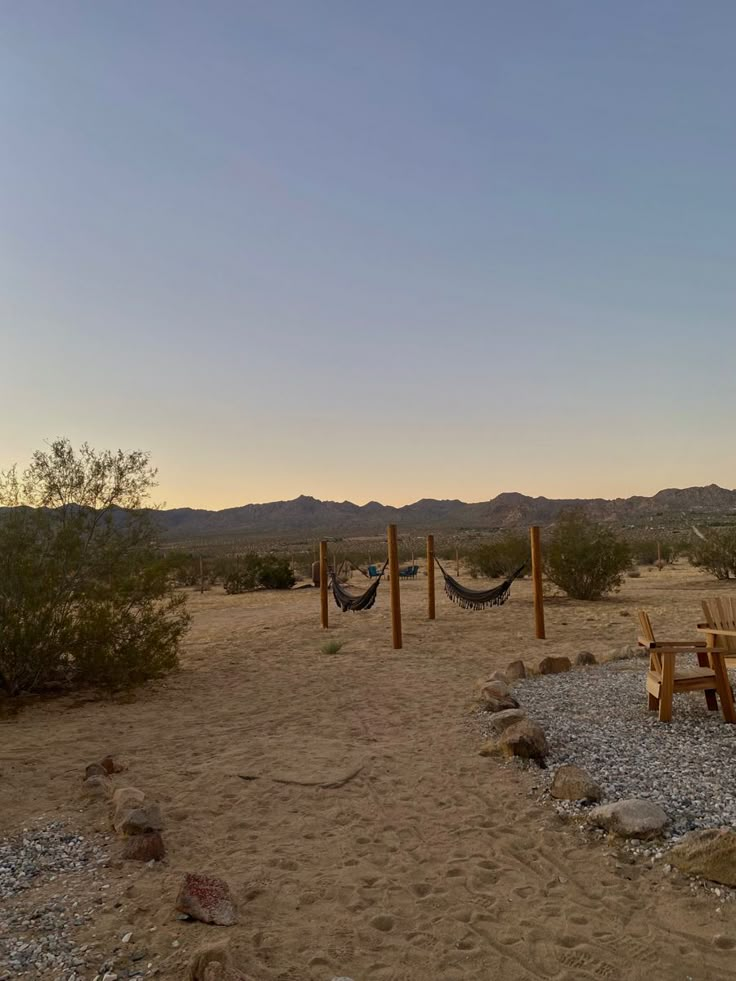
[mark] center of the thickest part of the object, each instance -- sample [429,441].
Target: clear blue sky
[377,249]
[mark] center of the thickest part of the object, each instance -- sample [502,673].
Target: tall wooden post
[537,583]
[394,582]
[430,577]
[201,575]
[324,618]
[457,562]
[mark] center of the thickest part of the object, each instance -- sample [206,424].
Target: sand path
[429,862]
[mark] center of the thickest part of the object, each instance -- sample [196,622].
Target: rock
[499,676]
[97,788]
[95,770]
[111,765]
[710,853]
[128,796]
[494,696]
[633,818]
[554,665]
[507,717]
[207,899]
[524,739]
[585,658]
[137,820]
[516,671]
[573,783]
[146,847]
[489,748]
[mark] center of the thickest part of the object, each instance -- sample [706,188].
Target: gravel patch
[37,931]
[597,718]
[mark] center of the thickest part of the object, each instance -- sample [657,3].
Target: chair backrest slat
[721,612]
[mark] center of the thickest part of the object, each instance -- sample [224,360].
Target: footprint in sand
[588,965]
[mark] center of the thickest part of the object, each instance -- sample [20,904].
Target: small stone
[554,665]
[524,739]
[111,765]
[127,938]
[95,770]
[633,818]
[573,783]
[128,797]
[585,658]
[138,820]
[516,671]
[146,847]
[97,787]
[499,676]
[494,696]
[207,899]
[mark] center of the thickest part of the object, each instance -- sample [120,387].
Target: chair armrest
[707,629]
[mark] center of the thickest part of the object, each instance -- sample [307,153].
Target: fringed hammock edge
[478,599]
[349,601]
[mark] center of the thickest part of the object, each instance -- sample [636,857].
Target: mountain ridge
[510,509]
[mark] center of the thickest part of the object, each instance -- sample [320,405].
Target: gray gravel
[597,718]
[36,935]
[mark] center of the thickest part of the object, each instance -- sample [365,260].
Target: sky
[372,251]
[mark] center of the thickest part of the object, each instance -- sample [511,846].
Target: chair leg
[710,699]
[724,688]
[653,704]
[667,687]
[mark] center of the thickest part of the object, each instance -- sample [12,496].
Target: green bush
[500,558]
[717,554]
[585,559]
[84,596]
[251,571]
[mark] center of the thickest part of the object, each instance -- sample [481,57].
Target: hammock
[478,599]
[349,601]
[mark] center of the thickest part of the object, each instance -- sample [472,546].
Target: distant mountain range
[309,517]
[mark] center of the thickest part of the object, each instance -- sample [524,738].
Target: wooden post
[394,582]
[201,575]
[430,577]
[457,562]
[324,618]
[660,563]
[537,583]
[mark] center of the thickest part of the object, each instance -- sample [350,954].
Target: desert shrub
[251,571]
[500,557]
[331,647]
[716,554]
[85,598]
[584,558]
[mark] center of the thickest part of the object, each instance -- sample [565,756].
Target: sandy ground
[431,863]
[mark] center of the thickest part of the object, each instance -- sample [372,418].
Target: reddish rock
[111,765]
[144,848]
[207,899]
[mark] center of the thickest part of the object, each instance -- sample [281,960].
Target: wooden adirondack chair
[664,678]
[720,627]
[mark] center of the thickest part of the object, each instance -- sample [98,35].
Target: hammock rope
[350,601]
[478,599]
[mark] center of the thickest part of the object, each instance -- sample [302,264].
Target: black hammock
[478,599]
[349,601]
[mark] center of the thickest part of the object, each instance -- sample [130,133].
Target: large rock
[205,898]
[95,770]
[554,665]
[524,739]
[495,696]
[710,854]
[508,717]
[516,671]
[147,847]
[633,818]
[573,783]
[137,820]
